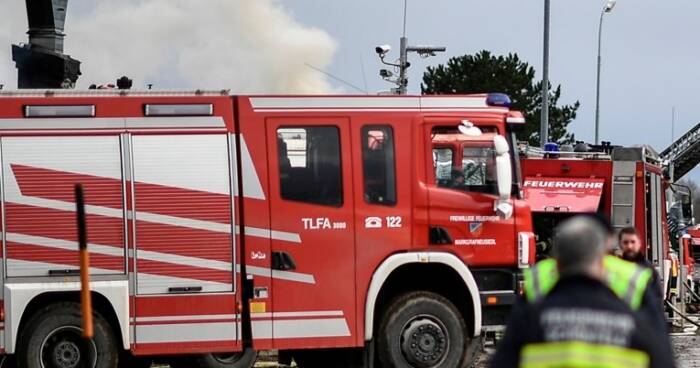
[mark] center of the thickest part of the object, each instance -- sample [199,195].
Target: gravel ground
[686,347]
[687,350]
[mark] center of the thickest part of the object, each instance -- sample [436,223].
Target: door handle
[439,235]
[283,261]
[66,272]
[184,289]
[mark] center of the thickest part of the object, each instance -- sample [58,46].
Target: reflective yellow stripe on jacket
[581,355]
[540,279]
[626,279]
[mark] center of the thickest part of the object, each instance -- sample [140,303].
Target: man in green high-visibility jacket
[585,319]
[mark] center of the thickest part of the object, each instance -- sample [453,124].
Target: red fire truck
[220,225]
[627,185]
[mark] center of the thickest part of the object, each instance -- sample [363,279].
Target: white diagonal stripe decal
[160,257]
[63,244]
[282,275]
[158,219]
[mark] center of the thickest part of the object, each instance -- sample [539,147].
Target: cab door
[461,216]
[312,231]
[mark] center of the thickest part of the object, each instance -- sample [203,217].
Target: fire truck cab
[220,225]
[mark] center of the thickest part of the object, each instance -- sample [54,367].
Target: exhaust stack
[41,63]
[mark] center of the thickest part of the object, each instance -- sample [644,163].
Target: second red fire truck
[626,185]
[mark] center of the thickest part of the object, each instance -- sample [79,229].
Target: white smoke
[248,46]
[12,30]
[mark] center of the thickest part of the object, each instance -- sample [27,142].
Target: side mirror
[504,210]
[504,176]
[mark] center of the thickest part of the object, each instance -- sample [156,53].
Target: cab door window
[479,168]
[475,173]
[378,165]
[309,164]
[442,163]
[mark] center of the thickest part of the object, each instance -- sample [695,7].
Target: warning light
[492,300]
[551,147]
[498,99]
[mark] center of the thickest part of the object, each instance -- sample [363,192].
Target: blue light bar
[498,99]
[551,147]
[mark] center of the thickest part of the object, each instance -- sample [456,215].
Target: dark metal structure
[41,62]
[684,154]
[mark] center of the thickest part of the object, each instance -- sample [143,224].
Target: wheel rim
[424,341]
[65,347]
[227,358]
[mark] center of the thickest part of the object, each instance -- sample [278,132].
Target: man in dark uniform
[581,322]
[631,247]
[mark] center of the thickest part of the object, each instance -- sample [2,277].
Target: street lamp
[609,6]
[544,122]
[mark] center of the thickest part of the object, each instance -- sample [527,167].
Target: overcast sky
[650,52]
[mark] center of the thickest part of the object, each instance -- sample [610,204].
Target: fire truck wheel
[53,339]
[245,359]
[422,330]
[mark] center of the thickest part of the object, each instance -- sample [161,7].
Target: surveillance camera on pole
[382,50]
[402,64]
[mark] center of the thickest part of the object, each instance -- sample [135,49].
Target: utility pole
[671,172]
[403,54]
[544,123]
[673,124]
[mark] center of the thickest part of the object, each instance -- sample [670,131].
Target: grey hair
[578,243]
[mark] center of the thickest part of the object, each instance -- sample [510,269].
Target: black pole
[85,297]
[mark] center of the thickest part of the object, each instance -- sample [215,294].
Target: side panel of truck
[159,210]
[184,240]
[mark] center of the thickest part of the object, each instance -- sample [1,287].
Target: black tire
[244,359]
[52,339]
[422,330]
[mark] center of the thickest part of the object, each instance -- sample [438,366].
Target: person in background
[631,247]
[581,322]
[457,179]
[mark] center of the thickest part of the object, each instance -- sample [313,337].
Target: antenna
[337,78]
[364,75]
[402,65]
